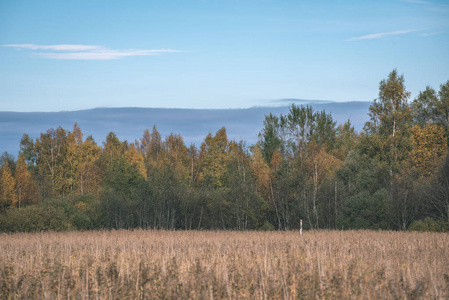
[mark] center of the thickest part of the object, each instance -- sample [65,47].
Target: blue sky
[72,55]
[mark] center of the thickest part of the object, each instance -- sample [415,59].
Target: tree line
[394,174]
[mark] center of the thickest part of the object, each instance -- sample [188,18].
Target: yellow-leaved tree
[26,188]
[176,156]
[262,173]
[90,174]
[73,158]
[319,165]
[7,188]
[214,158]
[136,159]
[429,148]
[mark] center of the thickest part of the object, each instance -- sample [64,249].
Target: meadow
[147,264]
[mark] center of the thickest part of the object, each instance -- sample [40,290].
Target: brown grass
[220,264]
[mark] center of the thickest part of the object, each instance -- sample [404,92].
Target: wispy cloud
[381,35]
[103,54]
[54,47]
[86,52]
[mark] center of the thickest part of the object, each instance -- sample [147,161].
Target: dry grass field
[145,264]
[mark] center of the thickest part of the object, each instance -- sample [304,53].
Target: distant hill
[192,124]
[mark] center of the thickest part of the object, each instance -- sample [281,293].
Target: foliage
[388,130]
[7,185]
[437,192]
[26,188]
[267,226]
[429,148]
[35,218]
[305,166]
[365,211]
[429,224]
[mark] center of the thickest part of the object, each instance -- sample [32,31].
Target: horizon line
[284,103]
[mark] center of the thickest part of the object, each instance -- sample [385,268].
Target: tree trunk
[315,191]
[335,205]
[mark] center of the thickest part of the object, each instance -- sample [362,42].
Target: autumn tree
[7,188]
[113,149]
[431,106]
[152,148]
[91,172]
[423,107]
[136,159]
[390,120]
[419,186]
[303,166]
[429,148]
[28,150]
[319,165]
[26,188]
[270,184]
[246,206]
[176,156]
[194,165]
[144,142]
[74,158]
[214,157]
[155,146]
[7,158]
[261,172]
[51,150]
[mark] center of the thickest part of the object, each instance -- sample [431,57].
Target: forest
[393,175]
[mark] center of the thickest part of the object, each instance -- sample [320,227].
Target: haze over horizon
[270,104]
[192,124]
[76,55]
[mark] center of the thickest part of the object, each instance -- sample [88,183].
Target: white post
[300,227]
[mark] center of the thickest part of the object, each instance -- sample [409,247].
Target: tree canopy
[305,166]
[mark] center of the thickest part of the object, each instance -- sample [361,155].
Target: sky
[74,55]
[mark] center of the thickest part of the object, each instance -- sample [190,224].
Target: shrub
[365,211]
[429,224]
[267,226]
[34,218]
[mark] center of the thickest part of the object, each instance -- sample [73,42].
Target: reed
[143,264]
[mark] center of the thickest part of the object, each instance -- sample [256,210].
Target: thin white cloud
[55,47]
[86,52]
[102,55]
[381,35]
